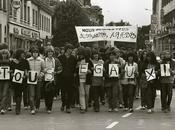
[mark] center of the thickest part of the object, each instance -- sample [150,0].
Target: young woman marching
[4,84]
[167,82]
[130,72]
[151,63]
[112,83]
[52,67]
[97,81]
[19,63]
[84,79]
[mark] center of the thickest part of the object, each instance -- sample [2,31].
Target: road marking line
[112,125]
[127,115]
[138,108]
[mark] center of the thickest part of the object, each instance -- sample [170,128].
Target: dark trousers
[49,95]
[166,95]
[151,94]
[143,97]
[67,91]
[26,95]
[96,96]
[128,95]
[18,89]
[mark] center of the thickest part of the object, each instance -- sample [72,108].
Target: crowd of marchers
[85,78]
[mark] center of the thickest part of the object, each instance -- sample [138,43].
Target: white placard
[129,72]
[49,76]
[98,70]
[83,68]
[4,73]
[106,33]
[18,76]
[113,70]
[165,70]
[32,78]
[150,74]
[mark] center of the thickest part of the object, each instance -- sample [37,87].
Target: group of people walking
[85,77]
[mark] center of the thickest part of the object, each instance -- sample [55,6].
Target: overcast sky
[132,11]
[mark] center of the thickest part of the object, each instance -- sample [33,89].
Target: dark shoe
[82,111]
[97,110]
[17,112]
[103,103]
[68,110]
[169,109]
[62,108]
[131,110]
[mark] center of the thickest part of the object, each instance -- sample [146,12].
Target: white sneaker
[49,112]
[25,108]
[109,110]
[150,111]
[3,111]
[116,109]
[32,112]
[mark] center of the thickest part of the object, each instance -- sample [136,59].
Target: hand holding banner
[150,74]
[98,70]
[49,76]
[113,70]
[18,76]
[32,79]
[165,70]
[4,73]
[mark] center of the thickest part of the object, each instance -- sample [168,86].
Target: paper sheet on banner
[49,76]
[165,70]
[83,68]
[33,76]
[98,70]
[106,33]
[150,74]
[4,75]
[113,70]
[129,72]
[18,76]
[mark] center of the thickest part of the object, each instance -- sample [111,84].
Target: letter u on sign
[32,79]
[18,76]
[113,70]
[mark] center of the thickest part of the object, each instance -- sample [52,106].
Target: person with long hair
[19,63]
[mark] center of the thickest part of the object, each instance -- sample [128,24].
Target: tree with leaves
[68,15]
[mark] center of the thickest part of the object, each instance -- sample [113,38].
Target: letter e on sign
[83,68]
[113,70]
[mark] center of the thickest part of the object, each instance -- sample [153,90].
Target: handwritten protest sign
[32,79]
[98,70]
[129,72]
[165,70]
[113,70]
[4,73]
[18,76]
[108,33]
[83,68]
[150,74]
[49,76]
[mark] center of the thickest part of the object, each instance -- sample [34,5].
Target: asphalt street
[57,120]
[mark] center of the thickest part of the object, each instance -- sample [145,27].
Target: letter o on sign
[18,76]
[16,4]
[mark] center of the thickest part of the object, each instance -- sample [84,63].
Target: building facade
[30,23]
[165,32]
[3,21]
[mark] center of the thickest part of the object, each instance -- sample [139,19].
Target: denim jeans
[84,95]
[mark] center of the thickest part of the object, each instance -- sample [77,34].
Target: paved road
[139,120]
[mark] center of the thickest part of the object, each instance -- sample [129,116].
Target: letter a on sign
[18,76]
[113,70]
[150,74]
[98,70]
[32,79]
[4,75]
[165,70]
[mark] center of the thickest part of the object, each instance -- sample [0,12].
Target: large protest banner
[106,33]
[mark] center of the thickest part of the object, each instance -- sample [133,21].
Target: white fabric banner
[165,70]
[98,70]
[106,33]
[4,73]
[18,76]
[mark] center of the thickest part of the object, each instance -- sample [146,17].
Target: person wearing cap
[68,63]
[36,64]
[52,67]
[112,84]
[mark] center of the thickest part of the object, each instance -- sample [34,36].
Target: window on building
[21,10]
[0,33]
[40,21]
[15,13]
[0,4]
[33,16]
[4,5]
[28,10]
[49,26]
[36,17]
[5,30]
[25,12]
